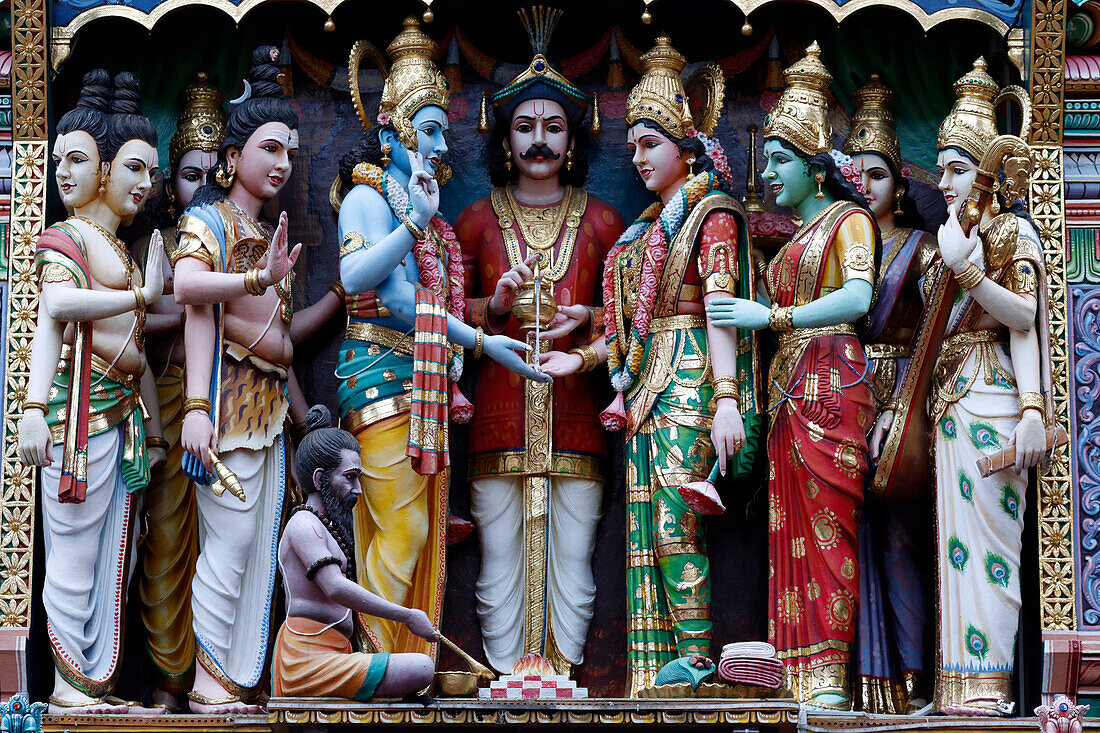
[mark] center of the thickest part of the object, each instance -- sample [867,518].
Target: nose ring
[773,175]
[644,161]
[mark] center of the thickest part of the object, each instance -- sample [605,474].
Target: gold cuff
[414,230]
[35,405]
[197,403]
[338,288]
[1032,401]
[781,318]
[970,277]
[156,441]
[588,355]
[479,342]
[252,282]
[726,388]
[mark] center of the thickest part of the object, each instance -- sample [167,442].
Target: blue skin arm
[366,212]
[845,305]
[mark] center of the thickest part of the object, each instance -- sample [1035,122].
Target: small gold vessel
[456,684]
[524,306]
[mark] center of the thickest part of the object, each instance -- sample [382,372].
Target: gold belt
[100,365]
[887,351]
[678,323]
[401,343]
[802,335]
[958,341]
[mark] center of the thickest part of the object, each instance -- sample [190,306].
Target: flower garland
[427,260]
[847,168]
[716,153]
[657,225]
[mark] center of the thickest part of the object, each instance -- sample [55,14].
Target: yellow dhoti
[171,549]
[311,660]
[400,534]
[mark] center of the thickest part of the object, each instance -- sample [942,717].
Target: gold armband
[1021,278]
[726,388]
[338,288]
[589,355]
[479,342]
[351,242]
[1032,401]
[252,282]
[969,278]
[414,230]
[781,318]
[35,405]
[197,403]
[156,441]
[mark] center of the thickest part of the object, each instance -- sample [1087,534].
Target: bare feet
[84,705]
[208,697]
[166,699]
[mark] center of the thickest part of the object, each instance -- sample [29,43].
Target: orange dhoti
[315,660]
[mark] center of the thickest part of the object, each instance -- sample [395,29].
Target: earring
[102,185]
[508,160]
[820,178]
[224,178]
[569,159]
[995,206]
[691,161]
[386,150]
[898,195]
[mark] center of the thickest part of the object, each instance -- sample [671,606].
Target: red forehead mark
[540,108]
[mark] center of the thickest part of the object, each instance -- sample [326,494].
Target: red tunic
[497,439]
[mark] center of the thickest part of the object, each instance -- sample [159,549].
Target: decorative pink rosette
[383,119]
[614,416]
[462,410]
[702,496]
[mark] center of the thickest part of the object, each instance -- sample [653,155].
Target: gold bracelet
[970,277]
[35,405]
[588,355]
[1032,401]
[726,388]
[414,230]
[479,342]
[781,318]
[252,282]
[338,288]
[156,441]
[197,403]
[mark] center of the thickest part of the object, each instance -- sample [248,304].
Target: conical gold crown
[660,95]
[801,116]
[201,124]
[874,129]
[414,81]
[972,124]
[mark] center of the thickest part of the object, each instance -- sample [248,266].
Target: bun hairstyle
[265,103]
[91,111]
[322,445]
[126,121]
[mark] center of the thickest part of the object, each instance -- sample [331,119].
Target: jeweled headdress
[413,81]
[201,124]
[540,80]
[801,116]
[660,95]
[874,129]
[972,124]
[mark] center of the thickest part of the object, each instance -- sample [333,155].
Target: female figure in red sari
[818,285]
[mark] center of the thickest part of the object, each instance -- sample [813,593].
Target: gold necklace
[262,230]
[539,225]
[570,210]
[116,245]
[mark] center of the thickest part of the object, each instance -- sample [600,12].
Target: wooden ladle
[475,666]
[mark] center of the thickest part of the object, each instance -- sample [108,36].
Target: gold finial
[752,201]
[874,129]
[414,82]
[201,124]
[660,95]
[801,116]
[972,124]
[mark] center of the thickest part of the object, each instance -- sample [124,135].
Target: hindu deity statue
[313,653]
[990,393]
[819,284]
[686,387]
[535,484]
[892,532]
[401,265]
[233,273]
[88,382]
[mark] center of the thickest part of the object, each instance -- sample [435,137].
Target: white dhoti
[235,574]
[88,566]
[497,508]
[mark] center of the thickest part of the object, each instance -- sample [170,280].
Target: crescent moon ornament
[244,97]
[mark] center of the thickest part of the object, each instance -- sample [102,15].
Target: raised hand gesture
[955,246]
[279,263]
[423,191]
[154,268]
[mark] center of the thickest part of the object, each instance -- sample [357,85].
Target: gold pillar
[29,184]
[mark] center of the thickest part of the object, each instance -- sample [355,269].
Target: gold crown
[414,82]
[660,95]
[874,129]
[972,124]
[801,116]
[201,124]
